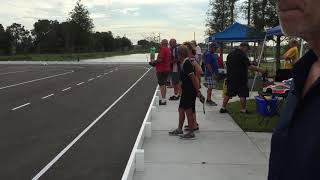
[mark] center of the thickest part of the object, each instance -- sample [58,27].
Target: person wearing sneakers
[198,72]
[212,70]
[175,70]
[190,91]
[162,65]
[238,64]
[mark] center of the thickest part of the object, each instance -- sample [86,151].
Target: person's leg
[243,104]
[177,90]
[210,86]
[225,102]
[181,118]
[176,86]
[229,94]
[209,94]
[179,130]
[190,117]
[243,94]
[163,91]
[163,86]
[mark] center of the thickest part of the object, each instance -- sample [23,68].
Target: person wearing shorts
[162,65]
[175,70]
[190,91]
[237,77]
[212,69]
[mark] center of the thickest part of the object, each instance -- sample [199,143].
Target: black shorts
[188,101]
[175,78]
[162,78]
[241,91]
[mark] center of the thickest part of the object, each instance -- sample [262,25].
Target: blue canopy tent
[276,31]
[237,33]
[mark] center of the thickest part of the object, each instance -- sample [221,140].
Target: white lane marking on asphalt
[46,97]
[20,106]
[66,89]
[55,159]
[12,72]
[14,85]
[90,79]
[99,76]
[80,84]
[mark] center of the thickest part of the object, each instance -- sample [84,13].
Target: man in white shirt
[198,52]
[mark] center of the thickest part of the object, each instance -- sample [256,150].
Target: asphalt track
[44,108]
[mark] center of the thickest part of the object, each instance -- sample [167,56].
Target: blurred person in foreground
[190,91]
[238,64]
[162,64]
[295,144]
[175,70]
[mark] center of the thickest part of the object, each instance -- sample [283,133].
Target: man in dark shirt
[237,77]
[295,145]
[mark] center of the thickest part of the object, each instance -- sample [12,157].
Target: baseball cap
[245,44]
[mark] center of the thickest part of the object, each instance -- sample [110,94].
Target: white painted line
[90,79]
[14,85]
[12,72]
[80,84]
[55,159]
[66,89]
[98,76]
[46,97]
[20,106]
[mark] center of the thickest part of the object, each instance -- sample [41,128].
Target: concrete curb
[136,159]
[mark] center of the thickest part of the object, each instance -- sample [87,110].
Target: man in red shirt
[162,65]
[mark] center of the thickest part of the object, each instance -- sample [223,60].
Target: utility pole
[249,12]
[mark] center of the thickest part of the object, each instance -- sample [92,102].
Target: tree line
[258,13]
[76,35]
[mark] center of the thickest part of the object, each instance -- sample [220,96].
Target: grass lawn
[250,123]
[66,57]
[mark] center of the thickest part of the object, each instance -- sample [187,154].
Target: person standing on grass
[175,70]
[212,70]
[238,64]
[292,55]
[190,91]
[162,64]
[295,143]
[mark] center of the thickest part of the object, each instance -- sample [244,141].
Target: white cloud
[171,18]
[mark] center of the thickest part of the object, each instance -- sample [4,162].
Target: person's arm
[289,54]
[195,82]
[158,60]
[188,68]
[256,69]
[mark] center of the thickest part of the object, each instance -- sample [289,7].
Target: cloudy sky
[133,18]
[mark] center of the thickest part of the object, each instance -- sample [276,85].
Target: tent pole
[301,47]
[259,61]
